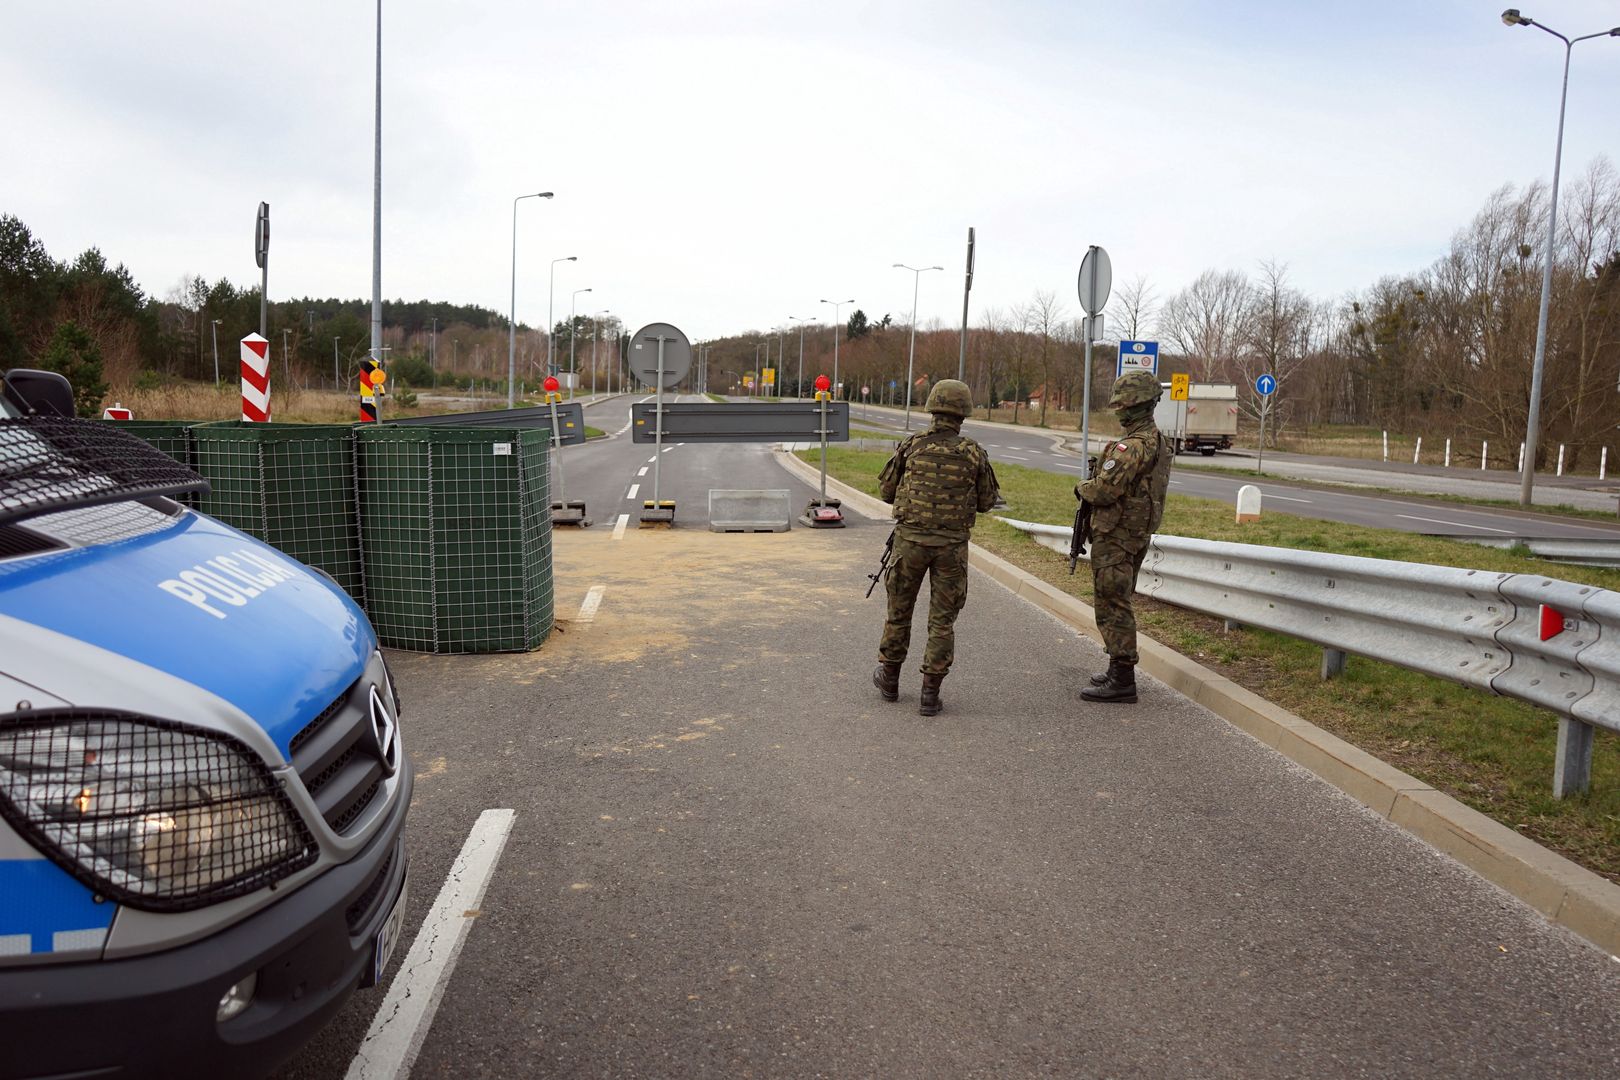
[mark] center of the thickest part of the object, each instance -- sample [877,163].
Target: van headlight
[151,813]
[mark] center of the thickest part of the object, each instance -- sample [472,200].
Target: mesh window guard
[54,463]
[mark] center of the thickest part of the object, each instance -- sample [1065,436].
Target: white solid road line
[618,529]
[1287,498]
[667,449]
[642,471]
[1455,524]
[632,492]
[396,1033]
[592,601]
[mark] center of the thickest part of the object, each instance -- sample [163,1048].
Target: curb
[1566,893]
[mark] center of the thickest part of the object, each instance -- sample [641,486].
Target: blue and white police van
[203,789]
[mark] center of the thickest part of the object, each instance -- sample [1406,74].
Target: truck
[1206,421]
[203,786]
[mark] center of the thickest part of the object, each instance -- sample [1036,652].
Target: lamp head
[547,194]
[899,266]
[1511,17]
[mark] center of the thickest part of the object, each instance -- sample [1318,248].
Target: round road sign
[644,355]
[1096,280]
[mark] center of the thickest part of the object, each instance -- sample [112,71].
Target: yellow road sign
[768,376]
[1179,385]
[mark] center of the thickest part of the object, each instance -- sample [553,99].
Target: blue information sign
[1265,385]
[1137,356]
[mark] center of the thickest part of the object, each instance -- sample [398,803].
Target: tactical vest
[939,487]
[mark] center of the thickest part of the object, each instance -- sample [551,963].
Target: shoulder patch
[1121,446]
[1110,463]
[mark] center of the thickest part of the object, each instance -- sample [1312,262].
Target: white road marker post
[1386,446]
[1560,459]
[1603,464]
[1448,453]
[1484,450]
[1417,450]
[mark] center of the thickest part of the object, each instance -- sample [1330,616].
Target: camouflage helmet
[1134,388]
[950,396]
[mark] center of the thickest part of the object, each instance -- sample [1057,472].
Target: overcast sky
[723,165]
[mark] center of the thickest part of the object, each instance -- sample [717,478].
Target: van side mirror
[43,392]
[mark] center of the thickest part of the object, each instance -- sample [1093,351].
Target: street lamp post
[215,329]
[798,383]
[1511,17]
[511,328]
[911,355]
[572,367]
[596,331]
[835,306]
[337,376]
[286,365]
[433,352]
[551,292]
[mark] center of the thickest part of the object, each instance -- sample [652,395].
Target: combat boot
[887,679]
[1102,676]
[1120,685]
[928,704]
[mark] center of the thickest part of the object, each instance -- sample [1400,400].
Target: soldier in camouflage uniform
[1127,493]
[938,481]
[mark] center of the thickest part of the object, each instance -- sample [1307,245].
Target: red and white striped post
[255,379]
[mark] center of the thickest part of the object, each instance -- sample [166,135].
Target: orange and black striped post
[372,376]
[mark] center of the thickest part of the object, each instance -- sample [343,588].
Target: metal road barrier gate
[1551,643]
[736,421]
[750,510]
[570,415]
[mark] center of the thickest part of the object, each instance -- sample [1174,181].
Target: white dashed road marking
[592,601]
[396,1033]
[642,471]
[632,492]
[1453,524]
[1288,498]
[618,529]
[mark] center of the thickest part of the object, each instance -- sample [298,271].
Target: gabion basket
[290,485]
[455,527]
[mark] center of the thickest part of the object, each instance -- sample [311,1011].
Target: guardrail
[1552,643]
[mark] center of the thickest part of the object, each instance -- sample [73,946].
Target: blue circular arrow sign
[1265,385]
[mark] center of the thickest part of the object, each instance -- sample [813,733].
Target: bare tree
[1205,321]
[1043,318]
[1131,313]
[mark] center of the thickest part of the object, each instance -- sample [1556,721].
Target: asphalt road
[1417,514]
[728,857]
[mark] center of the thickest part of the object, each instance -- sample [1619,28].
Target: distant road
[1042,449]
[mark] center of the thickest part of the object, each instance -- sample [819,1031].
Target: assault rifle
[883,566]
[1082,533]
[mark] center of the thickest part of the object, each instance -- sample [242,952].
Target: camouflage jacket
[1130,483]
[938,481]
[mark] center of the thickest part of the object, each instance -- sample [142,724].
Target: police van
[203,788]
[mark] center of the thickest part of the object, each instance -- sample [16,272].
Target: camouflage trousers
[1116,559]
[946,568]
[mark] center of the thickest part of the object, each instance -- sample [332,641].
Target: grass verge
[1494,754]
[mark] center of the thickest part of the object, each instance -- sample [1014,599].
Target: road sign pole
[1265,408]
[1096,281]
[967,287]
[658,421]
[823,450]
[556,451]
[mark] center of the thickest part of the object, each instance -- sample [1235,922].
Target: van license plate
[388,937]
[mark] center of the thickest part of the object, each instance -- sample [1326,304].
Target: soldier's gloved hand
[1077,494]
[1091,465]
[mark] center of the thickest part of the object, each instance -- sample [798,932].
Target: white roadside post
[1386,446]
[1095,283]
[1484,451]
[1560,459]
[1417,450]
[1448,453]
[1603,464]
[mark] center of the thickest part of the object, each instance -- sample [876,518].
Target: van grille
[336,757]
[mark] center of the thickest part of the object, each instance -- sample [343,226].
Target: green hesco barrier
[173,437]
[290,485]
[456,530]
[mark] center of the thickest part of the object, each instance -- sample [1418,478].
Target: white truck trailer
[1206,421]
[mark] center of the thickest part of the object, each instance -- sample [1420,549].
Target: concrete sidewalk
[730,855]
